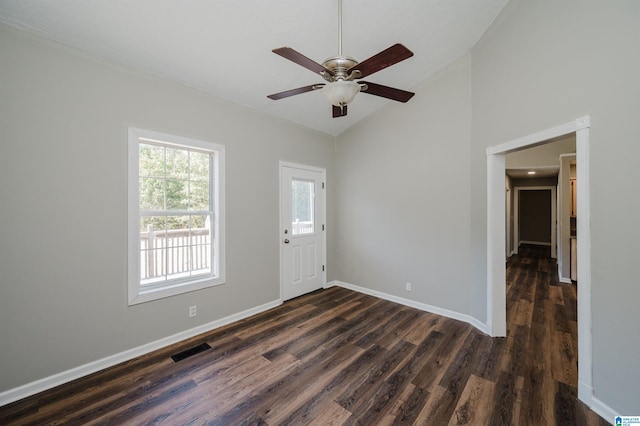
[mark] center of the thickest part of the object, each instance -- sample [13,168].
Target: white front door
[302,234]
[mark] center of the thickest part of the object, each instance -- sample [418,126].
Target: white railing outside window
[302,228]
[175,253]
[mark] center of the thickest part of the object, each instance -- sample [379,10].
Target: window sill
[147,295]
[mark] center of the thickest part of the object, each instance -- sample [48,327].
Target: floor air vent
[190,352]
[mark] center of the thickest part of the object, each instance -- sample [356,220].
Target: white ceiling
[223,47]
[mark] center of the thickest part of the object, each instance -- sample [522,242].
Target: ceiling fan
[341,71]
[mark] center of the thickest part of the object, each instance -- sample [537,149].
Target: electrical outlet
[408,286]
[193,311]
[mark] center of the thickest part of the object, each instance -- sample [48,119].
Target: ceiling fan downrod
[339,27]
[339,66]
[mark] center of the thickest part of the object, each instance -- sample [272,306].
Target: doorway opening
[496,239]
[534,217]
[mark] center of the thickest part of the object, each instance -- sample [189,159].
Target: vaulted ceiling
[223,47]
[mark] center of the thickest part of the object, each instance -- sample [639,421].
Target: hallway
[542,339]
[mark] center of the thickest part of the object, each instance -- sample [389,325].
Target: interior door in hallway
[302,229]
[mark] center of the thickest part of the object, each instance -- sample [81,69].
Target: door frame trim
[496,274]
[281,165]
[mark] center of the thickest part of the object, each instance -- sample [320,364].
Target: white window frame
[136,292]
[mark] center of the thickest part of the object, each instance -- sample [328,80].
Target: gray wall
[63,208]
[402,203]
[542,155]
[544,63]
[527,182]
[412,198]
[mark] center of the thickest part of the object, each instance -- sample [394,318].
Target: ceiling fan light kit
[341,93]
[340,71]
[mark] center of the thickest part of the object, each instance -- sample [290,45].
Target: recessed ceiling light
[532,172]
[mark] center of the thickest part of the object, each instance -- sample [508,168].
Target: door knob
[286,241]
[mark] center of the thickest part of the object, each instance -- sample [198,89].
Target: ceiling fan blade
[293,92]
[386,92]
[339,111]
[382,60]
[300,59]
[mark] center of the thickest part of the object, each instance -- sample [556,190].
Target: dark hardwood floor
[340,357]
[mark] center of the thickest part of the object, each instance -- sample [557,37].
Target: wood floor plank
[438,359]
[211,399]
[428,415]
[540,337]
[537,398]
[305,389]
[356,396]
[421,328]
[490,355]
[393,335]
[367,303]
[472,408]
[338,357]
[329,414]
[382,403]
[391,415]
[409,410]
[504,399]
[563,359]
[287,398]
[385,325]
[344,379]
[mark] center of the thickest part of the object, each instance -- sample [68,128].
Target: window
[302,210]
[176,215]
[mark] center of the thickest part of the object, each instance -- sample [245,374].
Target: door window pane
[302,207]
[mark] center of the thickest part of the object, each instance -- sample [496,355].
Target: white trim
[536,243]
[541,137]
[564,226]
[585,372]
[516,216]
[136,293]
[496,272]
[508,230]
[302,166]
[413,304]
[63,377]
[496,296]
[602,409]
[323,172]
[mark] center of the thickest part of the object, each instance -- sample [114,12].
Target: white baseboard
[585,393]
[535,243]
[562,279]
[603,410]
[43,384]
[330,284]
[413,304]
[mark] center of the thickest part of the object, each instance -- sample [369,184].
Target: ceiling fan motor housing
[339,65]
